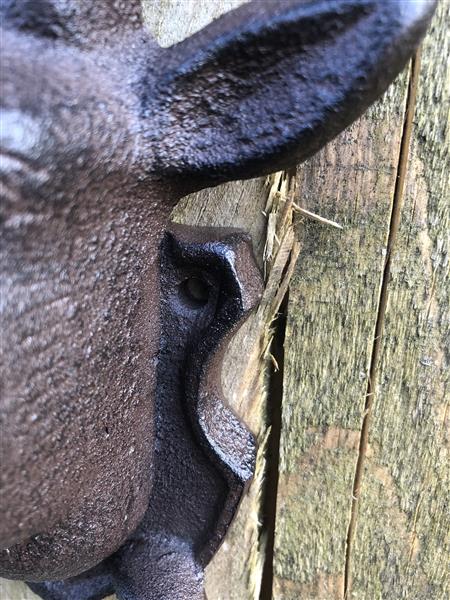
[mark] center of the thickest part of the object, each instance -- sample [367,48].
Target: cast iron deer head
[121,467]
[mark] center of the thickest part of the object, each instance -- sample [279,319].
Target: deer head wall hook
[122,467]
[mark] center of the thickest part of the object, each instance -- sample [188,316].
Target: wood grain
[402,545]
[399,538]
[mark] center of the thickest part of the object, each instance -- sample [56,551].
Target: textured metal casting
[121,465]
[203,456]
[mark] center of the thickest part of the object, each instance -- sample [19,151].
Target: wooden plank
[402,544]
[332,311]
[334,302]
[171,21]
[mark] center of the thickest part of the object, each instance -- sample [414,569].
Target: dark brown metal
[203,456]
[121,465]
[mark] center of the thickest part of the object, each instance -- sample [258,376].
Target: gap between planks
[280,212]
[269,507]
[394,224]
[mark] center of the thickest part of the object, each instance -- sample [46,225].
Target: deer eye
[194,292]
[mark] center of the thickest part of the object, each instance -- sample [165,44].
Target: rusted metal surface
[122,467]
[203,456]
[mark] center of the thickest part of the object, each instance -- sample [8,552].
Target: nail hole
[194,292]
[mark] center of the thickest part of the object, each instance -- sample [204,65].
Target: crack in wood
[269,505]
[381,311]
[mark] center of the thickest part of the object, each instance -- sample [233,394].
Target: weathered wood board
[340,292]
[405,554]
[400,528]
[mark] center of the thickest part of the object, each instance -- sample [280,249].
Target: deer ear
[268,84]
